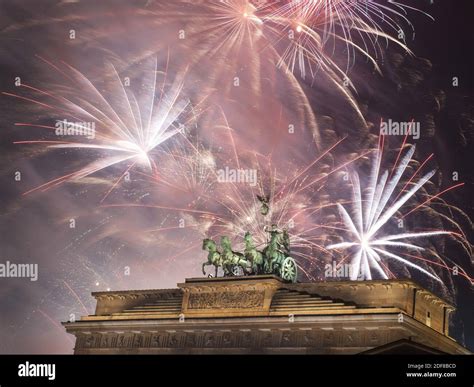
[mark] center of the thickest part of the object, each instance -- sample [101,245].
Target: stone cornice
[136,294]
[339,286]
[378,330]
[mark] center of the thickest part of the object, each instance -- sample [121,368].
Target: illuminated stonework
[262,314]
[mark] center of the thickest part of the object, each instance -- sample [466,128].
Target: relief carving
[267,339]
[288,339]
[227,339]
[226,300]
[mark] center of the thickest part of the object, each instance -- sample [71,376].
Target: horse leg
[247,266]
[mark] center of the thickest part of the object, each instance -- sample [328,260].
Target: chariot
[273,259]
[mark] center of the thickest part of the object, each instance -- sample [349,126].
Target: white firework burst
[130,128]
[371,213]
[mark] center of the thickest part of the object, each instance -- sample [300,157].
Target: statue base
[229,296]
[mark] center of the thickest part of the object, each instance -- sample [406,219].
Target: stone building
[262,314]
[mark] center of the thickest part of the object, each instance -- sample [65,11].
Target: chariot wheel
[289,270]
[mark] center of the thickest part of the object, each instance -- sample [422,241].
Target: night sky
[138,223]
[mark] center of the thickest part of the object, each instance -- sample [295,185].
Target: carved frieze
[226,300]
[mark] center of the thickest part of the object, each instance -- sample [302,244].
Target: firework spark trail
[233,208]
[460,270]
[292,34]
[368,220]
[433,197]
[287,207]
[76,296]
[222,30]
[55,324]
[287,204]
[309,54]
[313,25]
[131,131]
[360,25]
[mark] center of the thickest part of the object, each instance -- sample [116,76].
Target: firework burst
[374,209]
[305,29]
[120,128]
[290,201]
[359,25]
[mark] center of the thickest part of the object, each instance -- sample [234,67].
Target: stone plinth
[223,297]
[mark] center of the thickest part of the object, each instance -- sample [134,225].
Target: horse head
[248,239]
[225,243]
[208,244]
